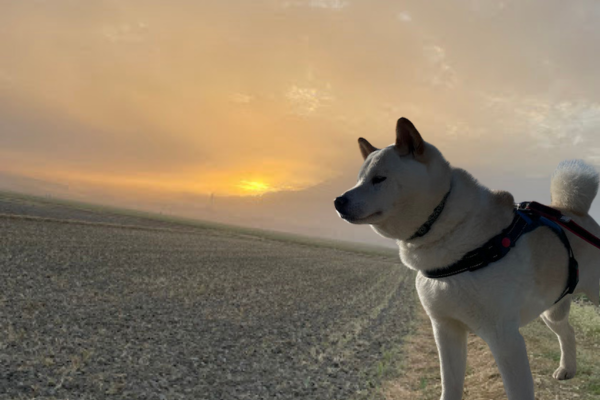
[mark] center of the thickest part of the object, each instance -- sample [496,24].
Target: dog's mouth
[363,220]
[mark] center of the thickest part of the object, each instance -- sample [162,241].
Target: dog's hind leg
[451,341]
[508,347]
[557,319]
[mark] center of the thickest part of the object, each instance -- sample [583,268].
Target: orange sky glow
[253,97]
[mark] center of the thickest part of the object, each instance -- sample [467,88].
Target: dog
[398,189]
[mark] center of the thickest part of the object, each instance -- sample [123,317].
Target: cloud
[489,8]
[200,88]
[404,17]
[241,98]
[440,72]
[306,101]
[551,123]
[463,130]
[325,4]
[593,156]
[330,4]
[125,33]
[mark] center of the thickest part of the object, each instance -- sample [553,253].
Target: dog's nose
[340,202]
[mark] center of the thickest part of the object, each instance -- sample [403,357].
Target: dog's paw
[562,373]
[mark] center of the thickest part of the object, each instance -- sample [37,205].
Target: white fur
[574,186]
[494,302]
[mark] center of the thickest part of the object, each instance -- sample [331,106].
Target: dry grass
[420,379]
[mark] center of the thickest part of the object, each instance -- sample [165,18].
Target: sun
[254,187]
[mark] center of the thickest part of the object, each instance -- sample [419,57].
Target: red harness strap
[564,221]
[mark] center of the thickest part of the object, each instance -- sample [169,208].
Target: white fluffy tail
[574,186]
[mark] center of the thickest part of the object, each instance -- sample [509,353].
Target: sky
[260,103]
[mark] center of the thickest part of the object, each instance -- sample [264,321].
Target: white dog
[398,189]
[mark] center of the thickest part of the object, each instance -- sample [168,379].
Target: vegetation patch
[420,376]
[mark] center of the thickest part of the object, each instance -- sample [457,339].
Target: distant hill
[307,212]
[29,185]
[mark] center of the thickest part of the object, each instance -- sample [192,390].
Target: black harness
[525,220]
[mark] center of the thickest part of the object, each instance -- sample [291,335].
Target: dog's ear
[408,139]
[366,148]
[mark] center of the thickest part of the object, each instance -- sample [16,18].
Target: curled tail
[574,186]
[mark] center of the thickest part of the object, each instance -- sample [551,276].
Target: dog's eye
[378,179]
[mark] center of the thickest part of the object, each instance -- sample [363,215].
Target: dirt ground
[158,310]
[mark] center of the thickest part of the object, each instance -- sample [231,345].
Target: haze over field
[248,111]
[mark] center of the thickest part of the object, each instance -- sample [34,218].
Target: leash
[555,215]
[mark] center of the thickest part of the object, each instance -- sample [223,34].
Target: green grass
[544,354]
[420,373]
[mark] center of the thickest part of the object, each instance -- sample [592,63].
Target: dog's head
[395,181]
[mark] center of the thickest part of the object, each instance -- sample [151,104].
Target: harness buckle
[524,206]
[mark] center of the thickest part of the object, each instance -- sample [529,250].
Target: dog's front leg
[451,340]
[508,347]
